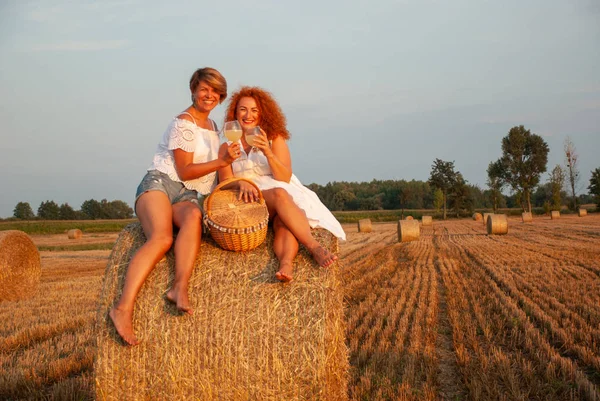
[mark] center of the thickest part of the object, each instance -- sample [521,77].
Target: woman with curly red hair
[293,208]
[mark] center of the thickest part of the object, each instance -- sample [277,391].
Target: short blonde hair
[213,78]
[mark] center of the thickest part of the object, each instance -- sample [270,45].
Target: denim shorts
[155,180]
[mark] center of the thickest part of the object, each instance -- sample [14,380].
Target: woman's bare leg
[188,218]
[281,203]
[285,246]
[154,212]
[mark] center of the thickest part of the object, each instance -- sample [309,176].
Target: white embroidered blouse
[186,135]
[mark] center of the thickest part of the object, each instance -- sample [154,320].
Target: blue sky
[371,90]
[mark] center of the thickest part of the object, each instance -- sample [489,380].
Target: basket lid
[225,212]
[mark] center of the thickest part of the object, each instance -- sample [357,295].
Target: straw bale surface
[582,212]
[555,214]
[408,230]
[477,216]
[20,266]
[364,226]
[527,217]
[427,220]
[250,337]
[497,224]
[485,217]
[74,233]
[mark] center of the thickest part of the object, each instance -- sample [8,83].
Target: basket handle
[229,181]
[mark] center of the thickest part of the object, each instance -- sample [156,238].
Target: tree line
[90,210]
[524,159]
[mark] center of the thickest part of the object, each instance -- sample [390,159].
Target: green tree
[557,182]
[443,177]
[49,210]
[542,194]
[23,211]
[495,183]
[341,198]
[572,169]
[460,195]
[66,212]
[524,159]
[594,186]
[438,199]
[91,209]
[115,210]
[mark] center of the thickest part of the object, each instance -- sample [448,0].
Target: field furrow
[456,315]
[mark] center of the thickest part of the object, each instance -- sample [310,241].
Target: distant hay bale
[582,212]
[408,230]
[555,214]
[74,233]
[477,216]
[427,220]
[485,217]
[364,226]
[409,218]
[527,217]
[497,224]
[250,337]
[20,266]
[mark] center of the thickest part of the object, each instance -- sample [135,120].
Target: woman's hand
[262,142]
[233,152]
[248,192]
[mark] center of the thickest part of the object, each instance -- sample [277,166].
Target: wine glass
[233,131]
[251,135]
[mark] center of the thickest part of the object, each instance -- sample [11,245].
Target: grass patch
[42,227]
[107,246]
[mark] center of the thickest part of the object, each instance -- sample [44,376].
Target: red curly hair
[271,118]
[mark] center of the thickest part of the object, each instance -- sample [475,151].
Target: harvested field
[456,315]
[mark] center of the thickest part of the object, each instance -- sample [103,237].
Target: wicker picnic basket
[234,224]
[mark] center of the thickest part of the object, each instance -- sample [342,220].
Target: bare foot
[181,300]
[322,256]
[124,325]
[285,272]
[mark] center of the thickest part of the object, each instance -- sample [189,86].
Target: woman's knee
[162,241]
[280,195]
[190,216]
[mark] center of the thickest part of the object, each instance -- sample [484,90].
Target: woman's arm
[278,156]
[188,170]
[225,172]
[247,191]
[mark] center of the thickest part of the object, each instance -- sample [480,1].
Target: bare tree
[571,159]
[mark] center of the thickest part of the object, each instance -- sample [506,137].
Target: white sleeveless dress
[254,166]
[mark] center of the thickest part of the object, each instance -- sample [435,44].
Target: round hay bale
[250,337]
[497,224]
[409,218]
[485,217]
[74,233]
[477,216]
[427,220]
[555,214]
[582,212]
[527,217]
[364,226]
[408,230]
[20,266]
